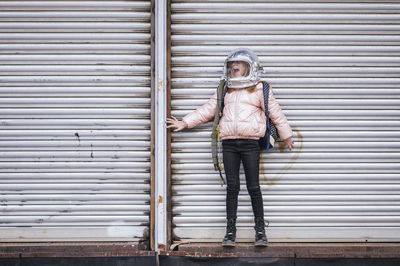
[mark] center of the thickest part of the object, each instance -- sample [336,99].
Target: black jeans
[247,151]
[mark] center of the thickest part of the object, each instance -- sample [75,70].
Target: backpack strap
[215,143]
[266,95]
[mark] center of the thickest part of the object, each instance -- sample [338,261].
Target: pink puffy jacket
[243,115]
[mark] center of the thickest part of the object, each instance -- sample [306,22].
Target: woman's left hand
[175,123]
[289,143]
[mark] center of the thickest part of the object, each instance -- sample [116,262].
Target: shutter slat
[334,68]
[75,120]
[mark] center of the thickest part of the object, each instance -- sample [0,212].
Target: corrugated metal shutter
[75,120]
[334,67]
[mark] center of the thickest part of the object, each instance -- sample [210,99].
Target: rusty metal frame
[74,249]
[160,132]
[152,145]
[155,87]
[205,250]
[168,112]
[289,250]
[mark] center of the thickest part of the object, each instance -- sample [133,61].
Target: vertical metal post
[160,132]
[152,151]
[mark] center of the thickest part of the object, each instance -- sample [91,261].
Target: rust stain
[281,147]
[161,246]
[160,200]
[271,181]
[160,84]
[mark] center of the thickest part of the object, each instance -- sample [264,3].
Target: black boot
[230,236]
[261,238]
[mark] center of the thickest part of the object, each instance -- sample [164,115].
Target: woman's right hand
[289,143]
[175,123]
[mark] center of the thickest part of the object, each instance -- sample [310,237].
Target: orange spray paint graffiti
[271,180]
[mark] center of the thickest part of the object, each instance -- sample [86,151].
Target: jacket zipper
[236,113]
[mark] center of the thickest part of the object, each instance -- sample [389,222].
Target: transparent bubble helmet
[252,74]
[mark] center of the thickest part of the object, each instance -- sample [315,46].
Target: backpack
[266,142]
[271,133]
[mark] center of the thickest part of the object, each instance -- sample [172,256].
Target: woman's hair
[250,89]
[247,70]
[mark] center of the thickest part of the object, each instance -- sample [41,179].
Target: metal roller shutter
[334,67]
[75,120]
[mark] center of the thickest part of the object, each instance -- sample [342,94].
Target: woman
[242,124]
